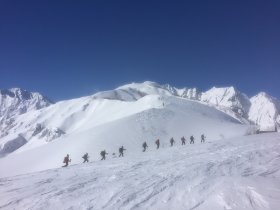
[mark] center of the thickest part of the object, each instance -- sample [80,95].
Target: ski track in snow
[239,173]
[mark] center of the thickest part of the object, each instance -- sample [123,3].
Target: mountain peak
[228,88]
[265,111]
[15,101]
[266,96]
[227,97]
[134,91]
[22,94]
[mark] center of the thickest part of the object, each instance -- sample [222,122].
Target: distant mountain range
[262,109]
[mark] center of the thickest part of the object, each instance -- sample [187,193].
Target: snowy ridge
[108,124]
[29,116]
[227,99]
[134,91]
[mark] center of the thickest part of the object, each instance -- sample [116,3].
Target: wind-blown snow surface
[239,173]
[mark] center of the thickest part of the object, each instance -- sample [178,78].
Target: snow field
[237,173]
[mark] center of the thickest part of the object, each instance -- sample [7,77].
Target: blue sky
[66,48]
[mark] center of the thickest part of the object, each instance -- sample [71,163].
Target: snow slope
[108,124]
[242,173]
[230,171]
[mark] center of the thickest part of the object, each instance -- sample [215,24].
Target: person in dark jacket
[183,140]
[103,154]
[202,138]
[144,145]
[157,143]
[121,149]
[192,140]
[172,141]
[66,160]
[85,157]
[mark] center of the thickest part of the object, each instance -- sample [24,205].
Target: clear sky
[66,48]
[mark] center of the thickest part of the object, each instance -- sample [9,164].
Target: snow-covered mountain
[39,137]
[228,97]
[107,120]
[265,111]
[28,119]
[91,124]
[15,102]
[228,100]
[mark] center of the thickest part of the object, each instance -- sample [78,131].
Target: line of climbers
[103,153]
[172,142]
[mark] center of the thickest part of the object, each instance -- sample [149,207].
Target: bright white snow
[239,173]
[21,122]
[109,124]
[265,111]
[232,170]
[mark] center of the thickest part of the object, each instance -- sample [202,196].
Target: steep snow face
[15,102]
[265,111]
[228,97]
